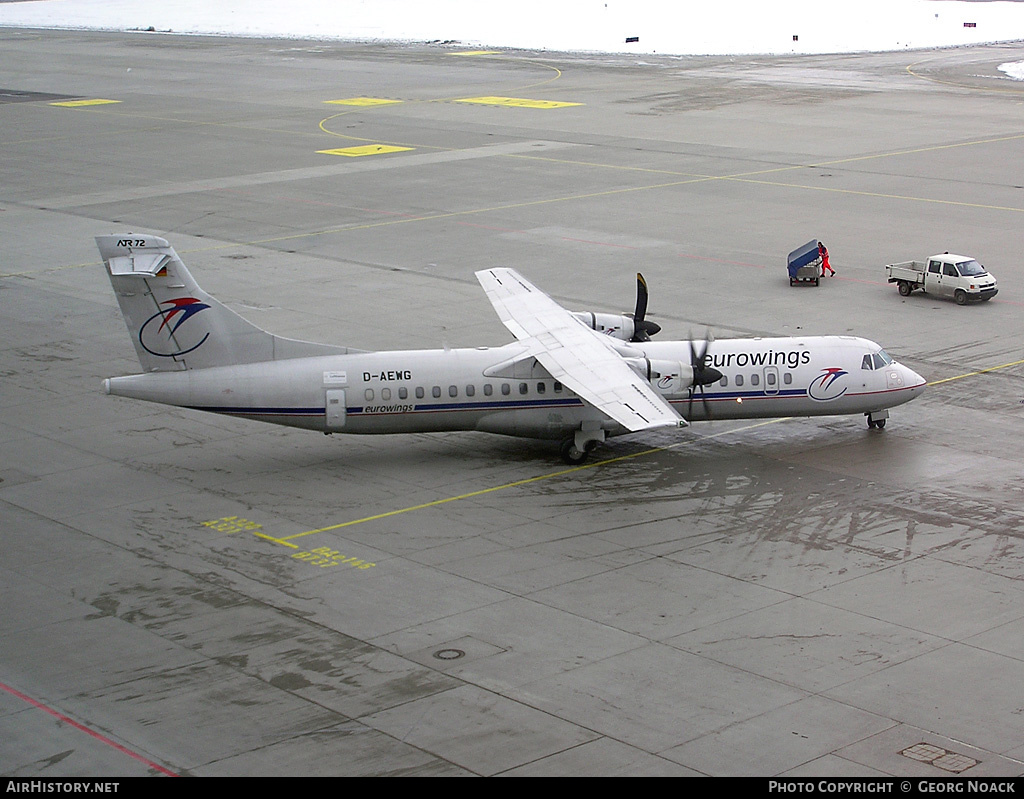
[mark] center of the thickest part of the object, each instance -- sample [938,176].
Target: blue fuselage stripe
[401,407]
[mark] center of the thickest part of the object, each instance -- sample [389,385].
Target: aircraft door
[771,380]
[335,408]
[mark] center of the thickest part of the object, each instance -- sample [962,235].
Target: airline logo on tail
[159,334]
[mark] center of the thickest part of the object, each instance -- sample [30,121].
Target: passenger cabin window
[724,381]
[436,391]
[403,393]
[506,389]
[453,391]
[739,380]
[368,394]
[558,387]
[787,378]
[523,388]
[770,379]
[470,390]
[385,394]
[541,388]
[755,380]
[419,392]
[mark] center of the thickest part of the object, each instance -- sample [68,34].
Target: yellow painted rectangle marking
[362,101]
[79,103]
[476,52]
[365,149]
[325,557]
[516,102]
[232,524]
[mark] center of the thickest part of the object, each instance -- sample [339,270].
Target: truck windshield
[970,268]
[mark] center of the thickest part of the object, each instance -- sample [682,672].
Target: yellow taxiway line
[286,540]
[514,484]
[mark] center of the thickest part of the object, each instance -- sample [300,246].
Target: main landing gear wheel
[876,425]
[572,455]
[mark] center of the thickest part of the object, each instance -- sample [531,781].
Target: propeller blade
[697,363]
[641,298]
[642,329]
[703,375]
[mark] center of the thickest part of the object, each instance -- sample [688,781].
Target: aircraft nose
[913,380]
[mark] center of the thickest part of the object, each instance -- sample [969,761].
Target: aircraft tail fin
[174,324]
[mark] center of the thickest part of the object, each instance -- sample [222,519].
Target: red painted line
[491,227]
[86,730]
[307,201]
[601,243]
[858,280]
[563,238]
[995,301]
[720,261]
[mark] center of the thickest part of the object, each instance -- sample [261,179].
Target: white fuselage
[496,390]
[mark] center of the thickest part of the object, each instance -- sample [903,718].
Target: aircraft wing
[578,357]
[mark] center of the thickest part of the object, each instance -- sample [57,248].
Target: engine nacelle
[666,377]
[617,326]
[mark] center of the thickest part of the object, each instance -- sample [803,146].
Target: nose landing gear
[876,419]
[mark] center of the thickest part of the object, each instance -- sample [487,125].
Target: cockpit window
[970,268]
[877,360]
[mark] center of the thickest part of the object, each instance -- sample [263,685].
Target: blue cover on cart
[802,256]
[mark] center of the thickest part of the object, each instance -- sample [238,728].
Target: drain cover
[939,757]
[449,654]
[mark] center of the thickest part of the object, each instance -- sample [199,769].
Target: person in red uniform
[825,265]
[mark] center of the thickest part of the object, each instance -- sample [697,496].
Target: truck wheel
[960,297]
[905,288]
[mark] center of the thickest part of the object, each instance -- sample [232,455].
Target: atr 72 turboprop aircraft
[571,377]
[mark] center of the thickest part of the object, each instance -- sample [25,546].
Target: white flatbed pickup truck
[947,275]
